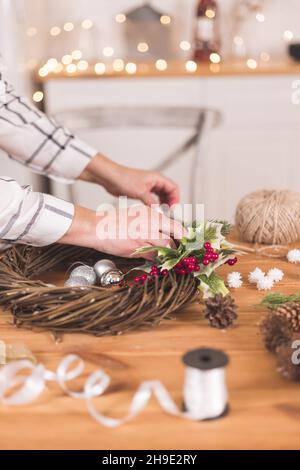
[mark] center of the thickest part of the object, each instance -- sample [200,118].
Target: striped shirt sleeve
[38,142]
[31,218]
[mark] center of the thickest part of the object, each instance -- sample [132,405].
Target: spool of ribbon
[205,392]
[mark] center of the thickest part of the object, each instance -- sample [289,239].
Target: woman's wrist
[82,231]
[101,170]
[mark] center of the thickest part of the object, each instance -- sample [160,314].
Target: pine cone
[286,364]
[221,311]
[275,330]
[290,311]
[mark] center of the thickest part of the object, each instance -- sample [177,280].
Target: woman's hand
[122,231]
[136,184]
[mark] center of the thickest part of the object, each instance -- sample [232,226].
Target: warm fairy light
[108,51]
[161,65]
[265,56]
[68,27]
[38,96]
[260,17]
[31,32]
[87,24]
[165,19]
[52,64]
[142,47]
[43,72]
[77,54]
[71,68]
[252,64]
[82,65]
[191,66]
[238,41]
[59,68]
[185,45]
[120,18]
[100,68]
[210,13]
[67,59]
[131,68]
[215,58]
[288,35]
[55,31]
[118,65]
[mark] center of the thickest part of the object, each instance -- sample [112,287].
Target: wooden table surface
[265,409]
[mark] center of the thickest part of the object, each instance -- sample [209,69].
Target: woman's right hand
[121,232]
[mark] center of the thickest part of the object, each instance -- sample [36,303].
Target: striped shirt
[38,142]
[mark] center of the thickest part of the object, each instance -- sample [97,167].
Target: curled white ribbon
[205,393]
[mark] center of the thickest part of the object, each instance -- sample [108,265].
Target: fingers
[167,190]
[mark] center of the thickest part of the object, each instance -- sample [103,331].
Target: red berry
[205,262]
[214,256]
[193,260]
[179,265]
[197,268]
[182,272]
[137,280]
[186,260]
[210,250]
[144,277]
[164,272]
[207,245]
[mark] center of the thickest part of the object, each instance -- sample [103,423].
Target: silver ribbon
[205,393]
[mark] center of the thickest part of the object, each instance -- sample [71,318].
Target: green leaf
[213,285]
[275,299]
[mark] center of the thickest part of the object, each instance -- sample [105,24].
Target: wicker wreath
[93,310]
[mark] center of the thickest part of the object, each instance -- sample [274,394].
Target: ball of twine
[269,217]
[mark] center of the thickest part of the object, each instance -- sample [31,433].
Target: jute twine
[269,217]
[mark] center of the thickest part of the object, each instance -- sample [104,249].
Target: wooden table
[265,409]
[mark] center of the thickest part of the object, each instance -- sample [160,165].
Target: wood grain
[265,409]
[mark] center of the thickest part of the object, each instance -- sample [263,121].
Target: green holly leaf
[212,285]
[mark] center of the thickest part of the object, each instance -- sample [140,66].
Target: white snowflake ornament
[265,283]
[275,274]
[293,256]
[256,275]
[234,280]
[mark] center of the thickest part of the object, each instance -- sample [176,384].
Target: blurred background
[201,89]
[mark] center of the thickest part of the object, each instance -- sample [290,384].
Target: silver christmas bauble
[111,278]
[103,266]
[77,281]
[85,271]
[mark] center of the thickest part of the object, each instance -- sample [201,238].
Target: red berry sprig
[155,272]
[210,255]
[232,261]
[187,266]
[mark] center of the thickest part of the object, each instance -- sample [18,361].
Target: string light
[131,68]
[252,64]
[31,32]
[82,65]
[161,65]
[185,45]
[38,96]
[118,65]
[100,68]
[52,64]
[68,27]
[59,68]
[71,68]
[55,31]
[87,24]
[108,51]
[43,72]
[120,18]
[260,17]
[288,35]
[215,58]
[77,54]
[210,13]
[165,19]
[67,59]
[142,47]
[191,66]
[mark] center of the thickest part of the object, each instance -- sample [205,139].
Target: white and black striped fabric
[38,142]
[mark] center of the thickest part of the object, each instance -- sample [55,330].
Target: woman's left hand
[136,184]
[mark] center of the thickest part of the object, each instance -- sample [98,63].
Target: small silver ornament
[104,266]
[85,271]
[111,278]
[77,281]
